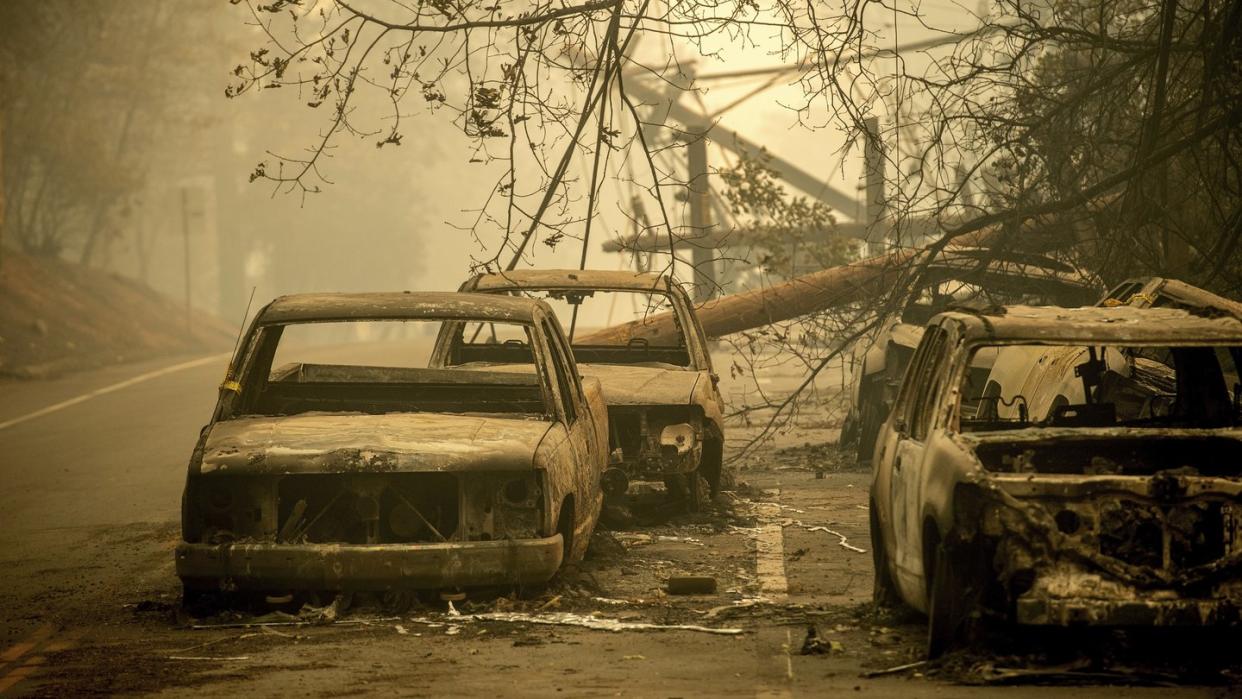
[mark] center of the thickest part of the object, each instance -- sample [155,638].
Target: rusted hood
[636,384]
[353,442]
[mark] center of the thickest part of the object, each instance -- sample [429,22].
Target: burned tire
[688,489]
[711,465]
[883,590]
[849,430]
[870,421]
[199,600]
[947,610]
[696,494]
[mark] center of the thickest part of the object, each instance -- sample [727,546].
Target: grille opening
[1132,532]
[392,509]
[626,432]
[1196,534]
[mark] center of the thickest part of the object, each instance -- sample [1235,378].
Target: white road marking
[773,587]
[789,655]
[770,553]
[115,387]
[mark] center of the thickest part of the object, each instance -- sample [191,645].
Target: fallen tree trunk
[810,293]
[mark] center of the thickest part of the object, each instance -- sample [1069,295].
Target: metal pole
[185,230]
[1,187]
[873,167]
[703,253]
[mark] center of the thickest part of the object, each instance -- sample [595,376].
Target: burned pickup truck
[1006,495]
[336,460]
[665,413]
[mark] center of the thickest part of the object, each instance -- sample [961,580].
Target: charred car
[1012,495]
[665,413]
[336,460]
[956,276]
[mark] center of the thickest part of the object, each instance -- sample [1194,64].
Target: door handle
[897,463]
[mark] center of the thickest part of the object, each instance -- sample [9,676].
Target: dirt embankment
[57,316]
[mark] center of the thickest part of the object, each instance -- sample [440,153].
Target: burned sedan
[665,413]
[1018,495]
[336,460]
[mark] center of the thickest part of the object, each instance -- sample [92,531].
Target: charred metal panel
[395,306]
[316,443]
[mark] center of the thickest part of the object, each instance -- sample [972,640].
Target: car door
[583,442]
[911,426]
[700,351]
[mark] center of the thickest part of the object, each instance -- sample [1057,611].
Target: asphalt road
[88,517]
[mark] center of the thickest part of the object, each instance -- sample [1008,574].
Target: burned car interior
[1103,386]
[301,387]
[583,304]
[305,388]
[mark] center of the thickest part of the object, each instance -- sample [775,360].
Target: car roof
[397,305]
[572,279]
[1093,324]
[1177,292]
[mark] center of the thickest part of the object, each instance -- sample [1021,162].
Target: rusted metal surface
[1121,325]
[416,478]
[374,567]
[1037,524]
[393,305]
[379,443]
[629,384]
[645,398]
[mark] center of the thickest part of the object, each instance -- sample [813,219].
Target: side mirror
[715,378]
[899,424]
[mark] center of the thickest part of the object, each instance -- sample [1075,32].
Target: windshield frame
[695,344]
[950,415]
[252,365]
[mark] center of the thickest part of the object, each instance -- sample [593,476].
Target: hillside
[56,316]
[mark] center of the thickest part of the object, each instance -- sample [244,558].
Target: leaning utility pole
[833,287]
[702,256]
[185,230]
[1,189]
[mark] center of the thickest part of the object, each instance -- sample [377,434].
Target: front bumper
[370,567]
[1103,612]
